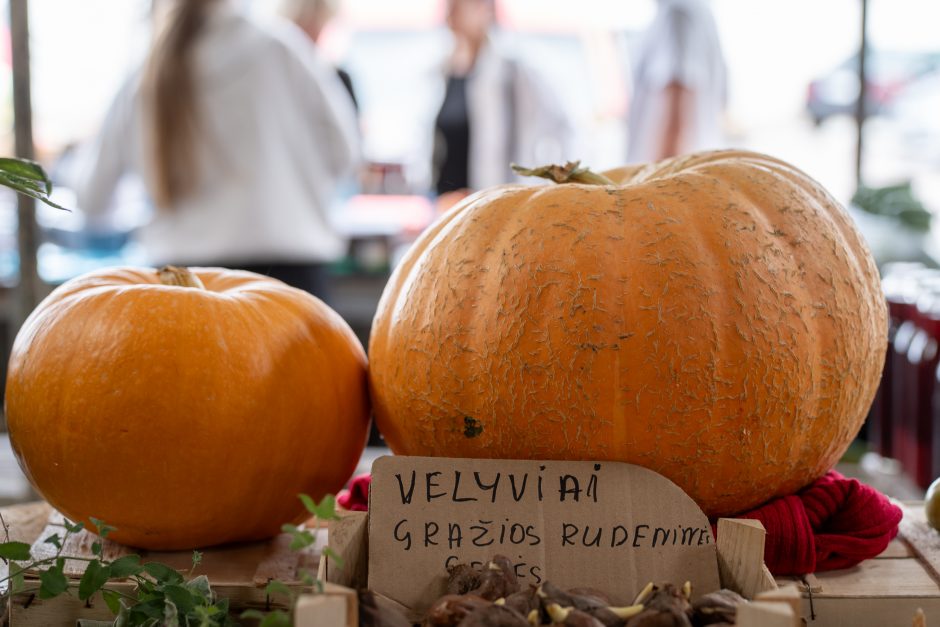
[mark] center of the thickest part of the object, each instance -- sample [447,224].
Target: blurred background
[793,92]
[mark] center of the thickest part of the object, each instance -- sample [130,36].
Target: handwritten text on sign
[604,525]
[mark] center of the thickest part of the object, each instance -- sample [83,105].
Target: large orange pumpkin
[185,411]
[716,318]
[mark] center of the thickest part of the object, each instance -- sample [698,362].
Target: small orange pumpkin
[716,318]
[186,409]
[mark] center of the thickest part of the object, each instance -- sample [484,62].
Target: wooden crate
[237,572]
[885,591]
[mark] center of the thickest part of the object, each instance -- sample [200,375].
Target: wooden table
[882,592]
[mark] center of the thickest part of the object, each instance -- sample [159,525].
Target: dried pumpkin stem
[571,172]
[181,277]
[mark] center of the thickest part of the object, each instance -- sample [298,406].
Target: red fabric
[356,498]
[834,523]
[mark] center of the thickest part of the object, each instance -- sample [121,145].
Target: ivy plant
[160,594]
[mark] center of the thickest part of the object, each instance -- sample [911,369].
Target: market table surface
[882,592]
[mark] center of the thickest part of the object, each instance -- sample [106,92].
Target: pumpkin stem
[181,277]
[571,172]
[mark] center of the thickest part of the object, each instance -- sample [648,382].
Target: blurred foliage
[894,201]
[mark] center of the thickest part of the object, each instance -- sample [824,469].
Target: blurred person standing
[680,84]
[312,16]
[494,111]
[240,133]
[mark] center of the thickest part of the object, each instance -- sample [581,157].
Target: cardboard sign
[605,525]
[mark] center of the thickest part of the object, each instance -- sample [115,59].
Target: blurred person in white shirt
[312,17]
[680,84]
[240,133]
[494,109]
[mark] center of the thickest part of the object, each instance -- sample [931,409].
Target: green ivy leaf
[276,618]
[151,609]
[199,587]
[52,582]
[15,551]
[301,538]
[334,556]
[197,558]
[103,528]
[72,527]
[278,587]
[17,580]
[324,510]
[163,573]
[54,540]
[28,178]
[93,579]
[170,615]
[96,548]
[222,606]
[126,566]
[181,597]
[113,600]
[307,578]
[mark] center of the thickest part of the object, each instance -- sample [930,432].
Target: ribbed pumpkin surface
[716,318]
[185,417]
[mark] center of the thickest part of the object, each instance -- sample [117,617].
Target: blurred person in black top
[494,110]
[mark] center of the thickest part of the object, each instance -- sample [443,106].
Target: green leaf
[96,548]
[163,573]
[278,587]
[72,527]
[197,558]
[334,556]
[28,178]
[94,577]
[181,597]
[139,612]
[276,618]
[113,600]
[125,566]
[307,578]
[52,582]
[54,540]
[222,606]
[17,580]
[103,529]
[325,510]
[170,615]
[199,586]
[15,551]
[308,502]
[301,537]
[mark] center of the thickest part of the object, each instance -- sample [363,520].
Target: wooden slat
[869,612]
[923,539]
[897,548]
[766,614]
[741,556]
[78,544]
[253,563]
[789,594]
[879,579]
